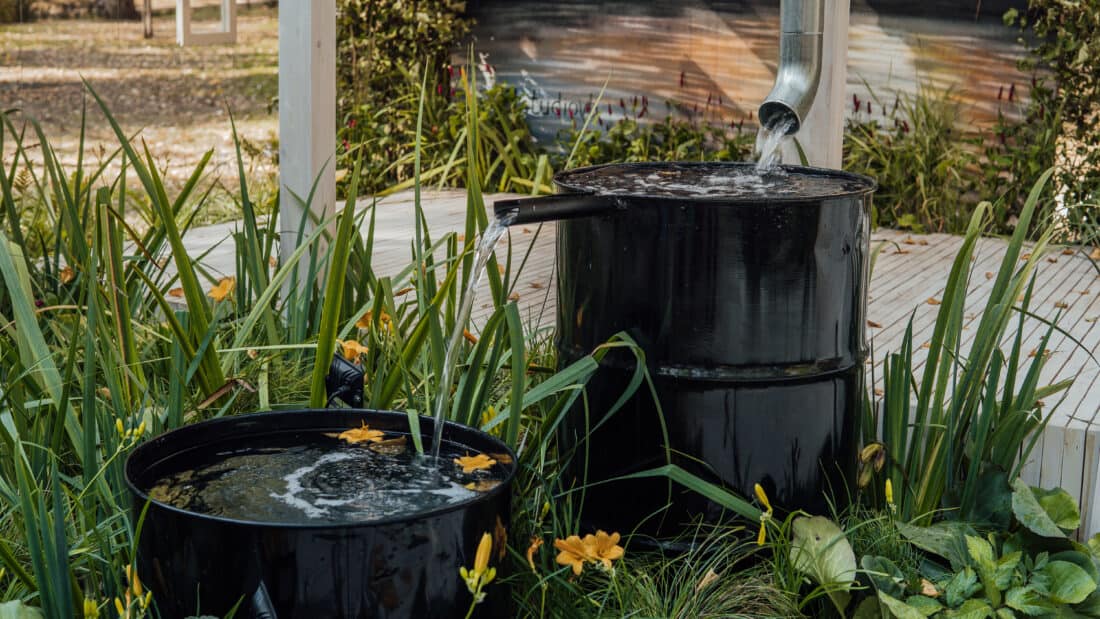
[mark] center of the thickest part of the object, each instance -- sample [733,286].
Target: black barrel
[399,567]
[750,306]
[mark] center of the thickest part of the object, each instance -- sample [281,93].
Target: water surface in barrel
[710,181]
[323,480]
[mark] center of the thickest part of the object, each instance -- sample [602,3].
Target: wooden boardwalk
[910,270]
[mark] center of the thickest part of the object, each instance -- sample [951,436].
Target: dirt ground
[177,99]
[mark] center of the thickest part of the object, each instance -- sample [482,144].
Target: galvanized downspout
[800,42]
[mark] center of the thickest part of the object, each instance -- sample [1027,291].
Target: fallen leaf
[1052,260]
[928,589]
[706,580]
[1069,251]
[501,458]
[901,251]
[933,301]
[873,324]
[500,268]
[176,292]
[470,337]
[922,242]
[989,274]
[273,261]
[879,391]
[390,447]
[926,345]
[1061,304]
[1095,255]
[1086,292]
[909,241]
[537,286]
[527,230]
[66,275]
[1025,257]
[461,238]
[404,291]
[253,353]
[482,485]
[514,296]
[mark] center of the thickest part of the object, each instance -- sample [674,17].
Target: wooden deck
[910,270]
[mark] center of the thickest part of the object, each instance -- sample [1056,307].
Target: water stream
[769,145]
[484,250]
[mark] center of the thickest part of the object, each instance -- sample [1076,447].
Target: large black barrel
[749,303]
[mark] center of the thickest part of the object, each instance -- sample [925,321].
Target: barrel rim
[325,421]
[869,185]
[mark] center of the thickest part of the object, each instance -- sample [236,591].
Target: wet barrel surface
[748,297]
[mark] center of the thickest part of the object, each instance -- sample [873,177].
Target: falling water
[489,240]
[769,145]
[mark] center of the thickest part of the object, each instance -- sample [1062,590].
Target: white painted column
[307,113]
[822,132]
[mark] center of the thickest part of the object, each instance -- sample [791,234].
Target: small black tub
[403,566]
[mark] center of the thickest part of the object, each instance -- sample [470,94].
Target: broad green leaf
[981,553]
[945,539]
[1027,600]
[1043,518]
[1060,506]
[884,575]
[18,610]
[820,550]
[1069,584]
[926,605]
[962,586]
[899,609]
[972,609]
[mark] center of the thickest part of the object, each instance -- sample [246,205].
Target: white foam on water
[769,145]
[294,487]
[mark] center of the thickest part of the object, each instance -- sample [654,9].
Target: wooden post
[307,114]
[822,132]
[147,18]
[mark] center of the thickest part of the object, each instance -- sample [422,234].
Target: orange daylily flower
[362,434]
[572,551]
[352,349]
[364,320]
[223,289]
[479,462]
[604,548]
[470,337]
[536,543]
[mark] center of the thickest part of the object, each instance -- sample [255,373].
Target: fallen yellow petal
[479,462]
[361,434]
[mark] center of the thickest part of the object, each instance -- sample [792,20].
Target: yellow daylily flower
[572,551]
[479,462]
[223,289]
[480,574]
[91,609]
[761,496]
[362,434]
[352,349]
[890,495]
[365,320]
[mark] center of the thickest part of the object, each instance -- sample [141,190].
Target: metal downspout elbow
[800,50]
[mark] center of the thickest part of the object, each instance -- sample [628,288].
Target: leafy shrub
[378,43]
[918,156]
[1064,57]
[669,140]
